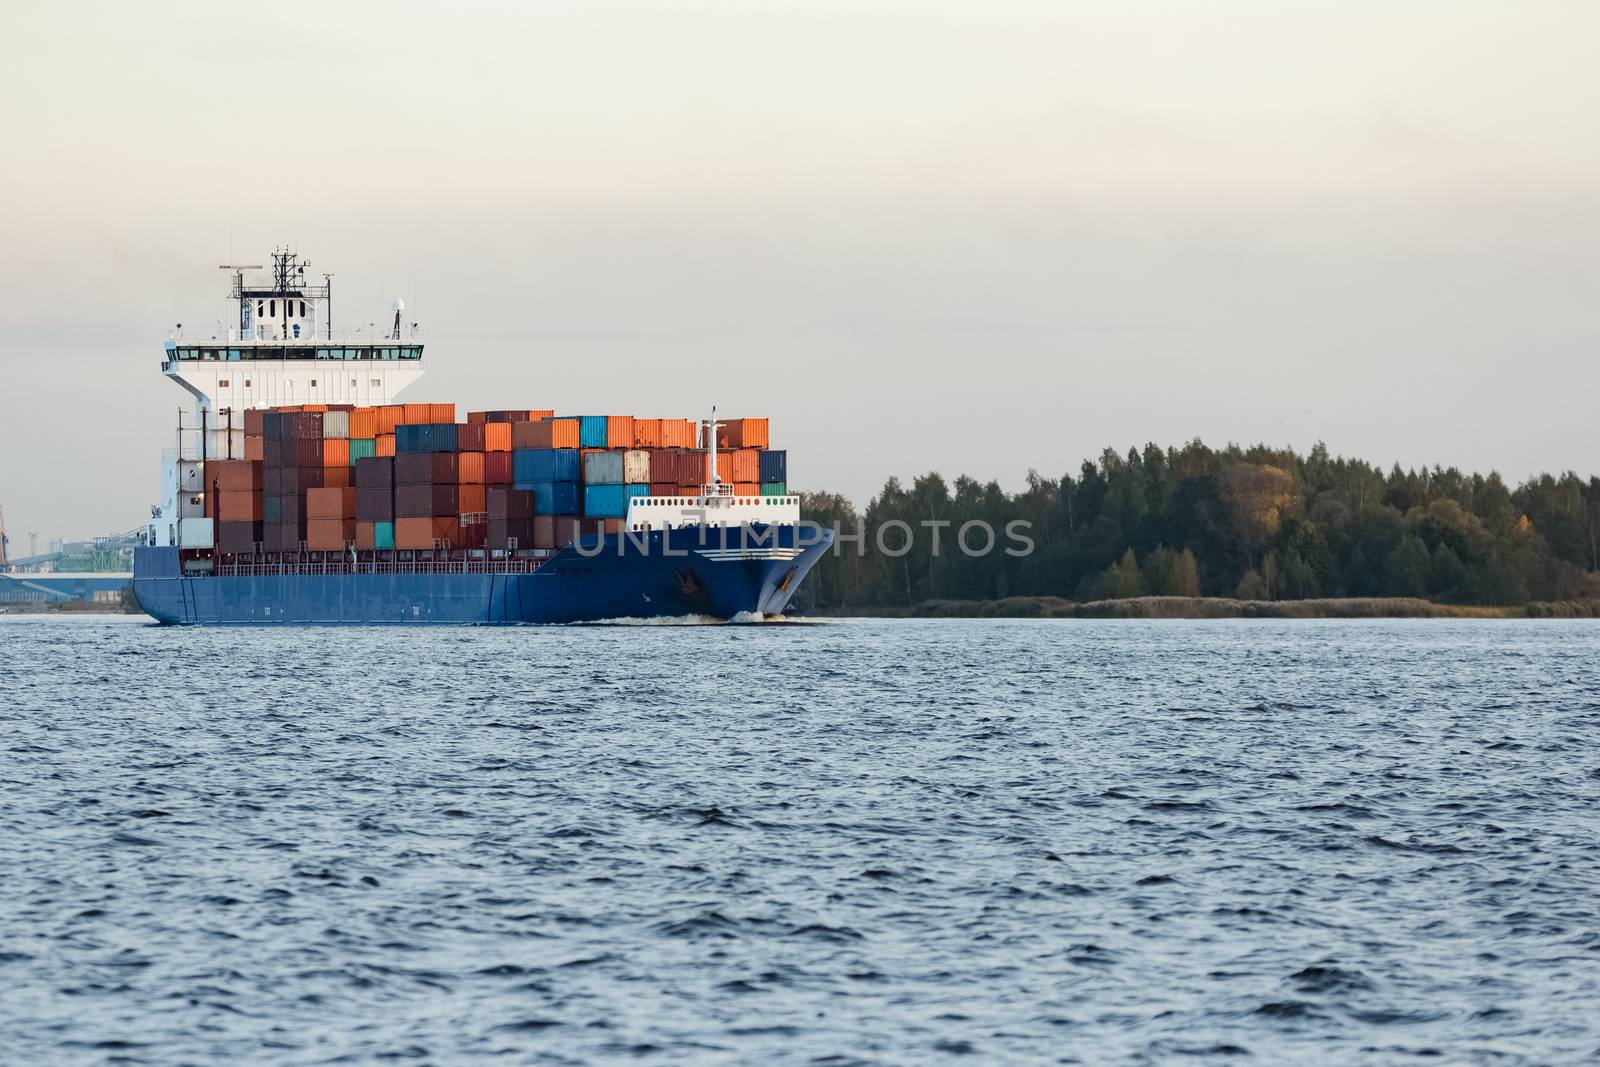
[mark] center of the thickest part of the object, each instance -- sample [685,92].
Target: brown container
[504,503]
[374,472]
[331,504]
[255,422]
[469,468]
[338,477]
[336,452]
[329,535]
[241,506]
[235,475]
[663,489]
[307,452]
[742,433]
[497,437]
[612,526]
[234,538]
[545,433]
[469,437]
[500,533]
[419,533]
[366,535]
[280,537]
[498,468]
[255,448]
[291,480]
[689,490]
[375,505]
[544,531]
[425,501]
[470,499]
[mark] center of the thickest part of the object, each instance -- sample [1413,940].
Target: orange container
[424,533]
[469,471]
[338,477]
[329,535]
[746,488]
[335,452]
[541,413]
[678,433]
[646,433]
[416,413]
[239,505]
[385,445]
[328,503]
[441,413]
[612,526]
[742,433]
[390,416]
[741,466]
[314,407]
[472,498]
[497,437]
[619,431]
[364,422]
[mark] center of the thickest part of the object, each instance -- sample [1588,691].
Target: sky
[977,238]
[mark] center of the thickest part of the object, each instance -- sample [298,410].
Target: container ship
[299,490]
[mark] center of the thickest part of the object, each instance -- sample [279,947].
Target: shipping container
[293,480]
[422,468]
[375,505]
[331,504]
[546,433]
[390,416]
[679,433]
[742,433]
[636,466]
[646,433]
[375,473]
[497,468]
[619,431]
[554,498]
[774,489]
[255,420]
[424,533]
[307,452]
[338,477]
[364,423]
[335,451]
[747,489]
[362,448]
[536,414]
[663,489]
[470,499]
[424,501]
[330,535]
[385,444]
[425,437]
[236,538]
[604,468]
[497,437]
[741,466]
[281,537]
[545,465]
[774,465]
[592,431]
[503,503]
[236,475]
[469,437]
[255,448]
[469,468]
[507,534]
[335,424]
[474,533]
[196,533]
[236,505]
[374,535]
[610,501]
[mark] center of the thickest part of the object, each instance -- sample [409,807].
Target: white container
[336,424]
[636,467]
[194,533]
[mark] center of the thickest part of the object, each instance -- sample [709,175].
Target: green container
[383,535]
[362,448]
[774,488]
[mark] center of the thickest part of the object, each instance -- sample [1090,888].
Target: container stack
[329,479]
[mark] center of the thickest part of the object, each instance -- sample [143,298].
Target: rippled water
[858,842]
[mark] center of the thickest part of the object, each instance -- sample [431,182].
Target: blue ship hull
[662,574]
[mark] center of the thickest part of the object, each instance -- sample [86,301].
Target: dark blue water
[863,842]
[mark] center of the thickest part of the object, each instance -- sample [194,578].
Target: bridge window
[272,309]
[302,309]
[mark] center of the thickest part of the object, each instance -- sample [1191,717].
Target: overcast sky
[973,237]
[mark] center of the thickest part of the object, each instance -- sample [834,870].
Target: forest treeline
[1254,523]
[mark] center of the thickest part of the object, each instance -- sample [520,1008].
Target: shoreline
[1167,607]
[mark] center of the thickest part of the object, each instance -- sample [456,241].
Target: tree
[1258,496]
[1409,566]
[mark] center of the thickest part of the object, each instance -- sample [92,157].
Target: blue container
[554,498]
[425,437]
[602,468]
[383,535]
[610,501]
[774,466]
[529,465]
[592,431]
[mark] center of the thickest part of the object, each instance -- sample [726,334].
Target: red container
[663,489]
[307,452]
[497,468]
[255,448]
[474,532]
[329,535]
[255,422]
[469,437]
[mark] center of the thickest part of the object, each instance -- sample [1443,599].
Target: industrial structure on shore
[96,570]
